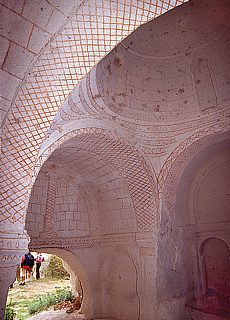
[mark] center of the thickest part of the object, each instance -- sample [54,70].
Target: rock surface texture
[126,173]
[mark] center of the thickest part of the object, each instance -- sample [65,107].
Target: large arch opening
[79,280]
[86,201]
[191,214]
[159,96]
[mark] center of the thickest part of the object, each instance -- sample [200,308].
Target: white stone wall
[101,206]
[114,160]
[71,212]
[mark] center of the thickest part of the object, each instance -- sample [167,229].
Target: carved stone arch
[52,77]
[206,133]
[202,246]
[182,156]
[78,273]
[215,266]
[125,158]
[180,232]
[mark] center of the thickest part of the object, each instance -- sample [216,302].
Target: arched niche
[108,184]
[195,182]
[78,194]
[215,272]
[119,277]
[115,175]
[215,255]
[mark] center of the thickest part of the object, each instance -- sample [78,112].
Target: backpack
[29,260]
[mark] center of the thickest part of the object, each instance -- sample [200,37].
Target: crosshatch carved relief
[55,74]
[125,159]
[112,162]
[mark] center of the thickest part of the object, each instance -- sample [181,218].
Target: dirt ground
[57,315]
[61,315]
[35,287]
[20,296]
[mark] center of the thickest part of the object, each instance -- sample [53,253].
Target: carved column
[13,245]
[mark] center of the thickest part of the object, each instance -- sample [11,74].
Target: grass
[21,297]
[43,302]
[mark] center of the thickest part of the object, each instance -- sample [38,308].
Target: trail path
[57,315]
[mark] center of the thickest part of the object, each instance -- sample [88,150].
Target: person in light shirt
[39,259]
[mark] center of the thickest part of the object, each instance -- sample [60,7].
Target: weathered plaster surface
[130,185]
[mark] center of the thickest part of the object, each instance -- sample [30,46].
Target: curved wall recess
[207,133]
[95,28]
[183,160]
[215,253]
[209,191]
[122,156]
[92,157]
[215,263]
[121,287]
[188,217]
[95,203]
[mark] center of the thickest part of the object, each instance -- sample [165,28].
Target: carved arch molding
[182,157]
[125,158]
[92,32]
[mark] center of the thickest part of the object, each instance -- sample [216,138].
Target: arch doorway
[83,202]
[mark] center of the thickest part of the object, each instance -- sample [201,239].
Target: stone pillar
[147,287]
[13,245]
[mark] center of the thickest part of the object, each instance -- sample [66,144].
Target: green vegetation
[43,302]
[21,297]
[9,313]
[55,269]
[24,301]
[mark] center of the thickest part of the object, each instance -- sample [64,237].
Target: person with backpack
[27,264]
[39,259]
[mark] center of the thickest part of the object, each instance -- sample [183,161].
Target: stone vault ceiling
[168,70]
[97,158]
[161,83]
[33,93]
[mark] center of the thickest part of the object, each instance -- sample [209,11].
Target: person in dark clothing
[27,267]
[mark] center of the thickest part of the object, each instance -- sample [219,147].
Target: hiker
[27,267]
[39,259]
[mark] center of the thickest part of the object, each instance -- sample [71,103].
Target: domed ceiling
[168,70]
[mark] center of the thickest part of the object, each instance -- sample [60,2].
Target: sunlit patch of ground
[20,296]
[58,315]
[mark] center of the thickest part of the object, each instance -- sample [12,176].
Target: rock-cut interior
[132,183]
